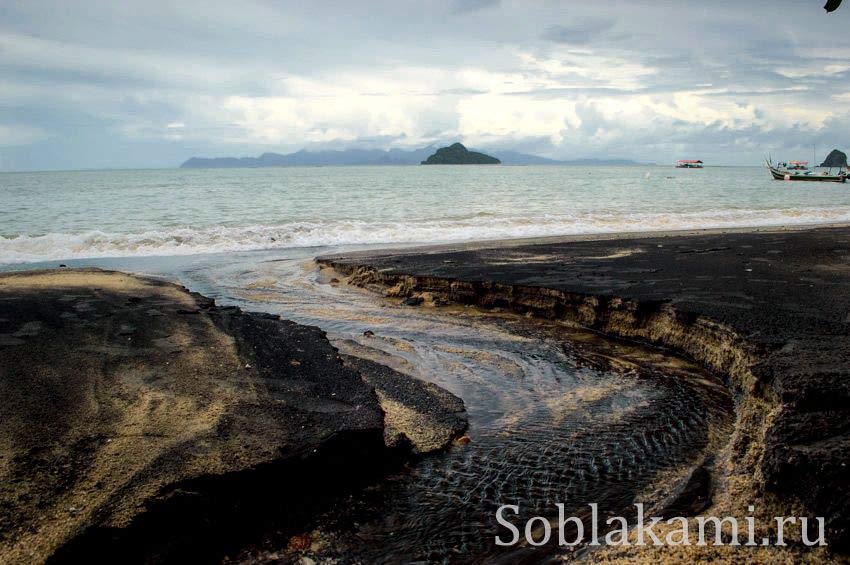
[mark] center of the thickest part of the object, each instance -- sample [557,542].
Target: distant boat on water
[799,170]
[688,164]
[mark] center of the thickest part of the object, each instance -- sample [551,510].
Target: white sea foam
[186,241]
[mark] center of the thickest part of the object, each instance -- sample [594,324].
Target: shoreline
[423,247]
[766,308]
[684,291]
[405,248]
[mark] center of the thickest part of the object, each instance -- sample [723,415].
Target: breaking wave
[218,239]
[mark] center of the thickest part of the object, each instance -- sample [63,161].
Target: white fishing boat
[800,171]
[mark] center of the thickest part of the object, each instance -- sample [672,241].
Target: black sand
[770,310]
[142,422]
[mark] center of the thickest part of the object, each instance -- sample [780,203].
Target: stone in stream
[418,415]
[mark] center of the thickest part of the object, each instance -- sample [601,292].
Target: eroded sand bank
[769,310]
[140,418]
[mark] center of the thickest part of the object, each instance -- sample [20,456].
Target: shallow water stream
[555,415]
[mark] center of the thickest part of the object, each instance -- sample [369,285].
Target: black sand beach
[142,422]
[769,310]
[134,409]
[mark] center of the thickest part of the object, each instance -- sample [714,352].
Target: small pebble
[412,301]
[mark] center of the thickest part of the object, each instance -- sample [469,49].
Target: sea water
[128,213]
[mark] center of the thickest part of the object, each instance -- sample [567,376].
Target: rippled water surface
[555,415]
[63,215]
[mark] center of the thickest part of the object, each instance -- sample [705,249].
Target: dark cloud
[465,6]
[583,91]
[580,32]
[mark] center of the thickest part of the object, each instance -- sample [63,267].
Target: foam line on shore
[25,248]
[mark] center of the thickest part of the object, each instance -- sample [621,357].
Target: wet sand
[767,309]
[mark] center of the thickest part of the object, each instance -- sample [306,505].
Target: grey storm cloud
[142,84]
[580,32]
[462,6]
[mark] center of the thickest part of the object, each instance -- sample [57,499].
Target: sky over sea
[105,84]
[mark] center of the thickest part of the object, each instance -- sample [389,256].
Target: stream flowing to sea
[555,415]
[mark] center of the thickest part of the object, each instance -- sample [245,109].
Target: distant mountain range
[354,157]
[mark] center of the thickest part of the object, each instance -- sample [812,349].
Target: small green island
[457,154]
[835,158]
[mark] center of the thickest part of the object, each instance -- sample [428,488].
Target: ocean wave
[189,241]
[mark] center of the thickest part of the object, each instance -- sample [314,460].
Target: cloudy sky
[103,84]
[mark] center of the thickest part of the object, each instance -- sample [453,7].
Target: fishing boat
[688,164]
[799,170]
